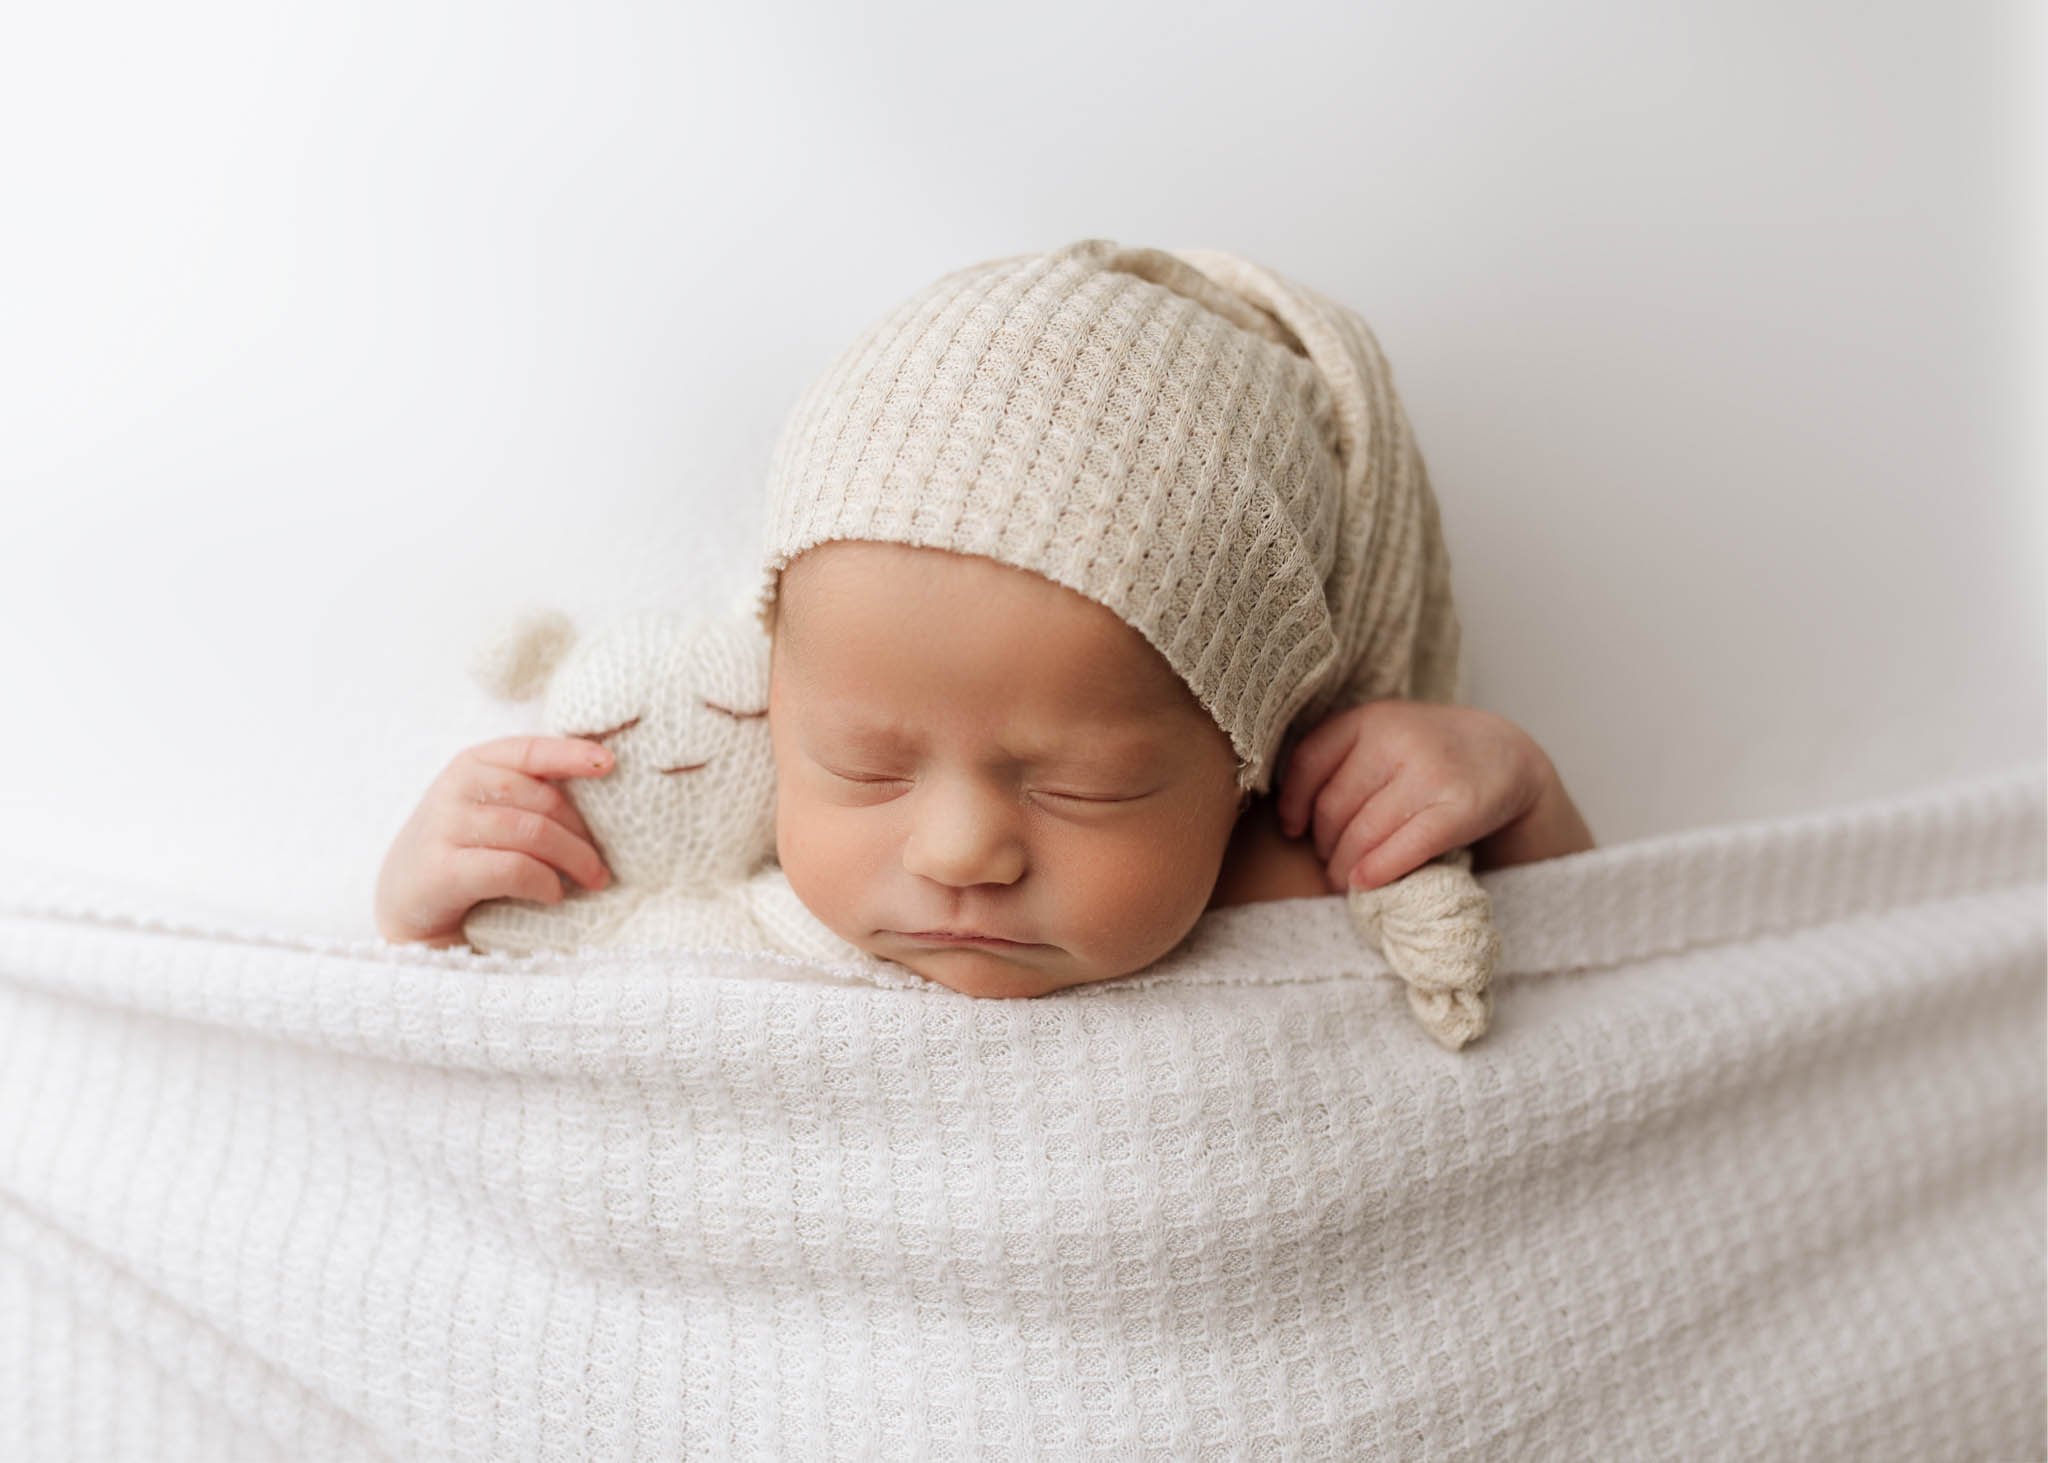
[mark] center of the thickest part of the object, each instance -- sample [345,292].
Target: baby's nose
[962,836]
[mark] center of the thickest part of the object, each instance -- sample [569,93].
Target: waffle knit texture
[1755,1171]
[1212,451]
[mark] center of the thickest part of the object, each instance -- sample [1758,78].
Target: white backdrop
[330,333]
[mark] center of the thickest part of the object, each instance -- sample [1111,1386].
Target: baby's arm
[490,827]
[1385,787]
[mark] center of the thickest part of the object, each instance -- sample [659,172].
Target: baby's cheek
[827,861]
[1132,899]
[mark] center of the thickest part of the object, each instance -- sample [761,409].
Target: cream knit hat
[1213,452]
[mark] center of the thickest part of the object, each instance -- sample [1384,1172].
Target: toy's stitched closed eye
[687,766]
[722,711]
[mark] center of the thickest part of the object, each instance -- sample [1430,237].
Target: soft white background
[330,333]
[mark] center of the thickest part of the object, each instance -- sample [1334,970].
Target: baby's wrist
[1550,827]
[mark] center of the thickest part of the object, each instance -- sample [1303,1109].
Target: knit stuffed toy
[685,820]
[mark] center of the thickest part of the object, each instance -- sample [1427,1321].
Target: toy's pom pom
[516,663]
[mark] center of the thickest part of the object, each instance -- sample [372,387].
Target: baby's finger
[490,783]
[1373,823]
[1430,832]
[539,756]
[1315,757]
[567,815]
[1362,776]
[495,873]
[522,830]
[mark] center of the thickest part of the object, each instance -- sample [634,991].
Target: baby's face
[967,748]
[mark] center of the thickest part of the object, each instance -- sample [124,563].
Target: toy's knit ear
[516,662]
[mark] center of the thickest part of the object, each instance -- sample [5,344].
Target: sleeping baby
[1106,586]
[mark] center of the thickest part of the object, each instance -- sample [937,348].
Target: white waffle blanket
[1751,1165]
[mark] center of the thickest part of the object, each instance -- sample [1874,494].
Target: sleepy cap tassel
[1435,928]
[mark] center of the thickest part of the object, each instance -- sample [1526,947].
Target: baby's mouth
[944,937]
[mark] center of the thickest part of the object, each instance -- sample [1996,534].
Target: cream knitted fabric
[1213,452]
[1761,1178]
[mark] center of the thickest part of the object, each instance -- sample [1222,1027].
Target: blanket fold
[1751,1163]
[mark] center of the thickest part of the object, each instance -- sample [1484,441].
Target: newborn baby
[1063,555]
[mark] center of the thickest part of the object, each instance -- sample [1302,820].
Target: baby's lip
[964,937]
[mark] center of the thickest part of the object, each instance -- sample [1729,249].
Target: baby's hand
[490,827]
[1392,784]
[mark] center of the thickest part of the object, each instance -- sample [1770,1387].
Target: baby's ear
[516,662]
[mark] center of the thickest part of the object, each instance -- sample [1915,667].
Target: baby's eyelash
[1070,797]
[735,715]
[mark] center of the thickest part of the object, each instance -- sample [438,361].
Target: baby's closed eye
[1095,797]
[863,777]
[1065,793]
